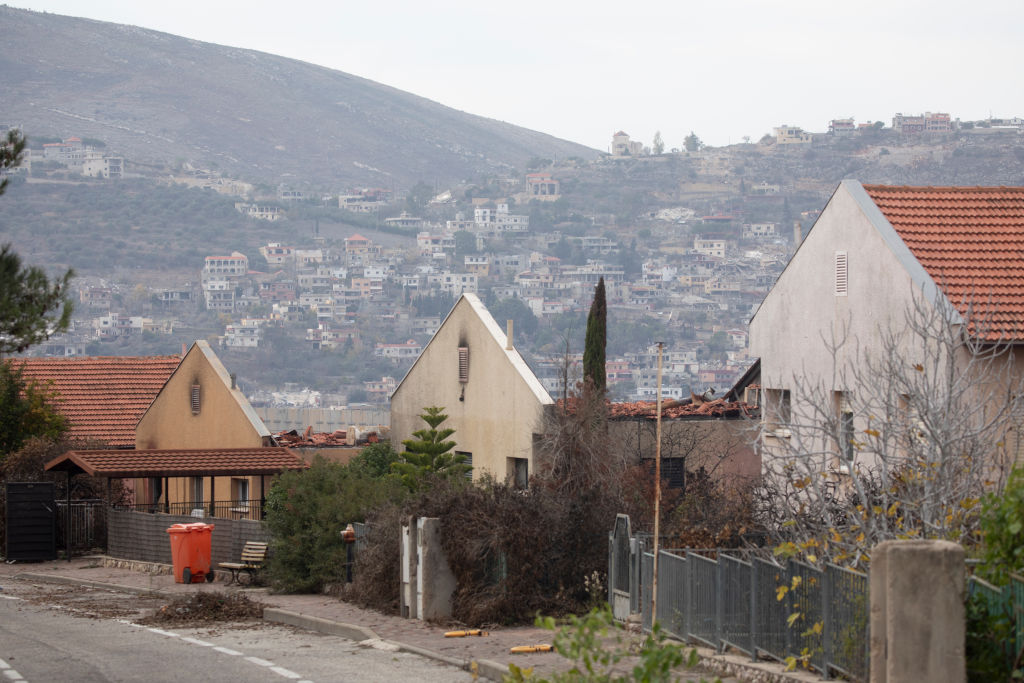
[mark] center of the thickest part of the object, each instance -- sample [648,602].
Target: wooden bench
[253,556]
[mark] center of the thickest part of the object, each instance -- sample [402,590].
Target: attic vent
[842,274]
[195,399]
[464,364]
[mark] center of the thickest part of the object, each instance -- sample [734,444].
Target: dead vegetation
[207,607]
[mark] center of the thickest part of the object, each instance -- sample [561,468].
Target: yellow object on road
[463,634]
[527,649]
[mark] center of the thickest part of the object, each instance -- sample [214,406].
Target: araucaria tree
[594,373]
[429,451]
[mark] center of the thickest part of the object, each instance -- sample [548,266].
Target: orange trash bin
[190,552]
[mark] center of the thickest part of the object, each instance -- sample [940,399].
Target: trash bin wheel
[209,577]
[186,575]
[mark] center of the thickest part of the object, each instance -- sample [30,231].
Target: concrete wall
[725,448]
[143,536]
[427,581]
[322,419]
[495,413]
[917,612]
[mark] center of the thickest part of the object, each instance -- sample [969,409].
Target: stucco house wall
[225,419]
[495,413]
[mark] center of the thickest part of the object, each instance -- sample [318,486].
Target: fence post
[787,637]
[753,609]
[826,619]
[687,603]
[719,602]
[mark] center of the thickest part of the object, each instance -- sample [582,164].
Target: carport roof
[204,462]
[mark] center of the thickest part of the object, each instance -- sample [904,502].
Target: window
[841,274]
[519,472]
[240,490]
[467,458]
[777,411]
[844,431]
[197,490]
[195,399]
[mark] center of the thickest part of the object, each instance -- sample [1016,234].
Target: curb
[69,581]
[484,667]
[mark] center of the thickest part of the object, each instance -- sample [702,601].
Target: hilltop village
[362,278]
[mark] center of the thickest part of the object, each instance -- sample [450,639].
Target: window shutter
[842,274]
[195,399]
[464,364]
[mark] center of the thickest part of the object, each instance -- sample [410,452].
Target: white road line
[228,651]
[281,671]
[163,633]
[9,597]
[196,641]
[13,675]
[259,662]
[4,665]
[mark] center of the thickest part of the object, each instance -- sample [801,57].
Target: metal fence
[225,509]
[88,528]
[728,599]
[1007,599]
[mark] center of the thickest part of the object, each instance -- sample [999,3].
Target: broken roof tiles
[670,410]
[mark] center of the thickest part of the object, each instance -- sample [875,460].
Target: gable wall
[498,413]
[221,422]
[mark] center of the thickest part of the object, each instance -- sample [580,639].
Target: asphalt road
[80,634]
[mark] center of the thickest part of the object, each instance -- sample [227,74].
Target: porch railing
[224,509]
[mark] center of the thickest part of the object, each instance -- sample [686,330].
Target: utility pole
[657,496]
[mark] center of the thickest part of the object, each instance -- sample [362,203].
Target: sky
[723,69]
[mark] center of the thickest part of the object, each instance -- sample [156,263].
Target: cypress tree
[594,346]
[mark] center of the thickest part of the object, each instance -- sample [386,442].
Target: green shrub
[306,513]
[1002,528]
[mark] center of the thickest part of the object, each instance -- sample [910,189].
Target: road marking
[259,662]
[9,597]
[281,671]
[163,633]
[13,675]
[196,641]
[227,651]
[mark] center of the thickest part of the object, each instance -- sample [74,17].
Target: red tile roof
[970,240]
[103,398]
[179,463]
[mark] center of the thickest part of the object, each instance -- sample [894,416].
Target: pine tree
[429,452]
[594,372]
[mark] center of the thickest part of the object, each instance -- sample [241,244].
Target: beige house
[493,400]
[200,407]
[953,256]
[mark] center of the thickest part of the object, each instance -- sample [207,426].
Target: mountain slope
[157,98]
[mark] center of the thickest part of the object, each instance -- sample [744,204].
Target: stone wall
[143,536]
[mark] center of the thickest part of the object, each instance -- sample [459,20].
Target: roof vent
[841,274]
[463,364]
[195,399]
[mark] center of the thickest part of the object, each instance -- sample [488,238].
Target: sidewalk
[489,655]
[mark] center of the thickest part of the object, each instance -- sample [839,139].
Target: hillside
[159,99]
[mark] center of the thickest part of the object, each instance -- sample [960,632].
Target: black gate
[31,522]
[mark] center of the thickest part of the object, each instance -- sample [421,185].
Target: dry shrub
[376,575]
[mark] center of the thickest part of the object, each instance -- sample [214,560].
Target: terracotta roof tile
[647,410]
[102,397]
[970,240]
[179,463]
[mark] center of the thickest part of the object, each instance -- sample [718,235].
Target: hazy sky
[583,70]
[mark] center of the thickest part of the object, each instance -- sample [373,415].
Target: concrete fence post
[917,612]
